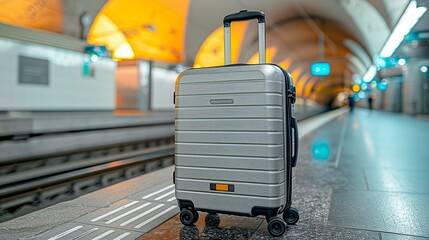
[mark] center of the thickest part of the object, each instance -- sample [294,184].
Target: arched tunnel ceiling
[277,11]
[291,28]
[205,15]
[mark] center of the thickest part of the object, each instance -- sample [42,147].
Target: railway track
[54,169]
[30,184]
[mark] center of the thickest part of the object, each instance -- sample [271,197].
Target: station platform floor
[360,175]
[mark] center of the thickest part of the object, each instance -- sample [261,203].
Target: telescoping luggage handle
[244,15]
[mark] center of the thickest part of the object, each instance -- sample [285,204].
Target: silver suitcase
[236,138]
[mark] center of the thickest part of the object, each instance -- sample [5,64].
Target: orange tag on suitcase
[221,187]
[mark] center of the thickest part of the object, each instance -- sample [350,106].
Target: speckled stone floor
[364,175]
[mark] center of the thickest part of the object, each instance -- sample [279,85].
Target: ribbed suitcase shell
[232,128]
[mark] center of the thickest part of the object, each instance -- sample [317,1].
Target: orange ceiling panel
[38,14]
[212,50]
[296,73]
[285,64]
[148,29]
[270,53]
[105,32]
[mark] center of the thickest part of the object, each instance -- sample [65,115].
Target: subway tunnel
[97,133]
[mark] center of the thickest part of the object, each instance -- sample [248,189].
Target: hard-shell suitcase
[236,138]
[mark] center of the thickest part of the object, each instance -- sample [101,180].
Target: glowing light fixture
[124,51]
[341,97]
[402,62]
[356,88]
[93,57]
[381,63]
[382,86]
[407,21]
[370,73]
[423,69]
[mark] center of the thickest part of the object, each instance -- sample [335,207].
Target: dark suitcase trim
[256,211]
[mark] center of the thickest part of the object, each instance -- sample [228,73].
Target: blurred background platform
[87,114]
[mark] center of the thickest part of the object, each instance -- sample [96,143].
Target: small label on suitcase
[222,187]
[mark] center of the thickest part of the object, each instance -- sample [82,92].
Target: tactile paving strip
[126,219]
[86,231]
[161,193]
[132,215]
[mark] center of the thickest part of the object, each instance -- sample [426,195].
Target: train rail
[26,186]
[55,167]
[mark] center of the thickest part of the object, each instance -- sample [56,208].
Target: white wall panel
[163,82]
[68,89]
[413,86]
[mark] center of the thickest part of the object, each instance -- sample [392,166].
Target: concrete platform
[361,176]
[20,123]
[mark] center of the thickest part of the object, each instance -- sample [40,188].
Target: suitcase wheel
[276,227]
[196,215]
[291,216]
[188,216]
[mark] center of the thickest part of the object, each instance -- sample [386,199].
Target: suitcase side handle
[244,15]
[296,142]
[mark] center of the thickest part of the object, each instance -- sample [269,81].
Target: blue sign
[95,52]
[320,69]
[382,86]
[99,50]
[424,35]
